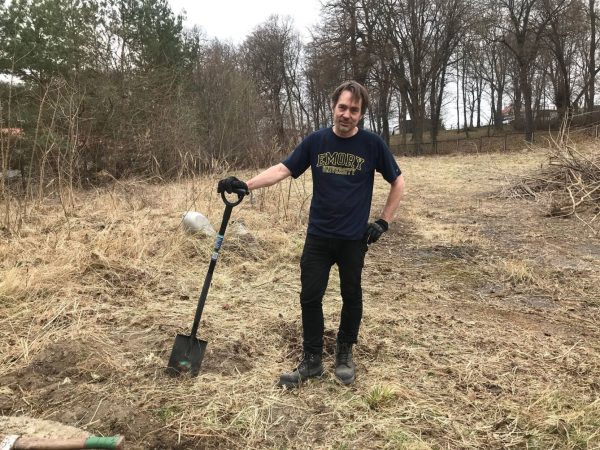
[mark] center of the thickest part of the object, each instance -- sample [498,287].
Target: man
[343,160]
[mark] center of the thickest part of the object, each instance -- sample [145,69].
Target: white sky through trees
[233,20]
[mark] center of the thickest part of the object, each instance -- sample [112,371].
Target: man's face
[346,114]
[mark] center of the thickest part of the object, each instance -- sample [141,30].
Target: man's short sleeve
[299,160]
[386,164]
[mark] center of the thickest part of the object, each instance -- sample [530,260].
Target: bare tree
[343,31]
[381,98]
[339,51]
[526,21]
[271,55]
[587,47]
[423,36]
[489,61]
[561,40]
[497,60]
[321,72]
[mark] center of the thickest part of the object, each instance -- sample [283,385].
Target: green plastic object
[100,442]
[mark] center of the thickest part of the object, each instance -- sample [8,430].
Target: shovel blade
[186,356]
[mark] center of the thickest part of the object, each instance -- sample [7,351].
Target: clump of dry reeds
[569,185]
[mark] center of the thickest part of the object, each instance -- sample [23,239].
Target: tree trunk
[492,106]
[457,98]
[402,120]
[417,116]
[590,100]
[518,101]
[278,119]
[432,106]
[437,106]
[464,97]
[498,116]
[385,129]
[527,98]
[479,95]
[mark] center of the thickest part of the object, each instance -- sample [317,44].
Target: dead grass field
[480,326]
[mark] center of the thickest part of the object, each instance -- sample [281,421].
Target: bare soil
[480,324]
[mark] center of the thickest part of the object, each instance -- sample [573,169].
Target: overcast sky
[234,19]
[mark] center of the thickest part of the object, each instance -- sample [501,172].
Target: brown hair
[359,92]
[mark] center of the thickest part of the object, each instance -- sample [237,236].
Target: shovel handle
[97,442]
[240,193]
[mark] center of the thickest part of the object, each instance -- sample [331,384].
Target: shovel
[188,352]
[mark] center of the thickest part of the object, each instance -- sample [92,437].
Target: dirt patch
[233,359]
[76,373]
[30,427]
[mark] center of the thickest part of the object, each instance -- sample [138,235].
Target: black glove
[232,184]
[375,230]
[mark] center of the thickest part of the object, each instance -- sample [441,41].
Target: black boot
[344,366]
[310,367]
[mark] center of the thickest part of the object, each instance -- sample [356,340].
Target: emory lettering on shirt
[339,163]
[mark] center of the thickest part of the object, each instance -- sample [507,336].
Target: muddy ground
[480,323]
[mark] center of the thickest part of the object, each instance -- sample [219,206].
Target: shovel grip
[108,442]
[97,442]
[240,194]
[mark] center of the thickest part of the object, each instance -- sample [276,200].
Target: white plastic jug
[194,222]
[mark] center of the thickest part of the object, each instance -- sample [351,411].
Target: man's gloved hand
[375,230]
[232,184]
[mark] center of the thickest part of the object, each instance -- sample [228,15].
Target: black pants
[318,256]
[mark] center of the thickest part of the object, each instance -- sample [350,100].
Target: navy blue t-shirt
[343,171]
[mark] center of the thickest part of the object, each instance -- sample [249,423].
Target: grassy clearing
[480,327]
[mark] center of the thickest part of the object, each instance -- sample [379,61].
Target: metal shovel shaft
[211,269]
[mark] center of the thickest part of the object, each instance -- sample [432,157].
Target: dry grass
[480,327]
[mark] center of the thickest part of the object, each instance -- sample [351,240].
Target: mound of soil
[28,426]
